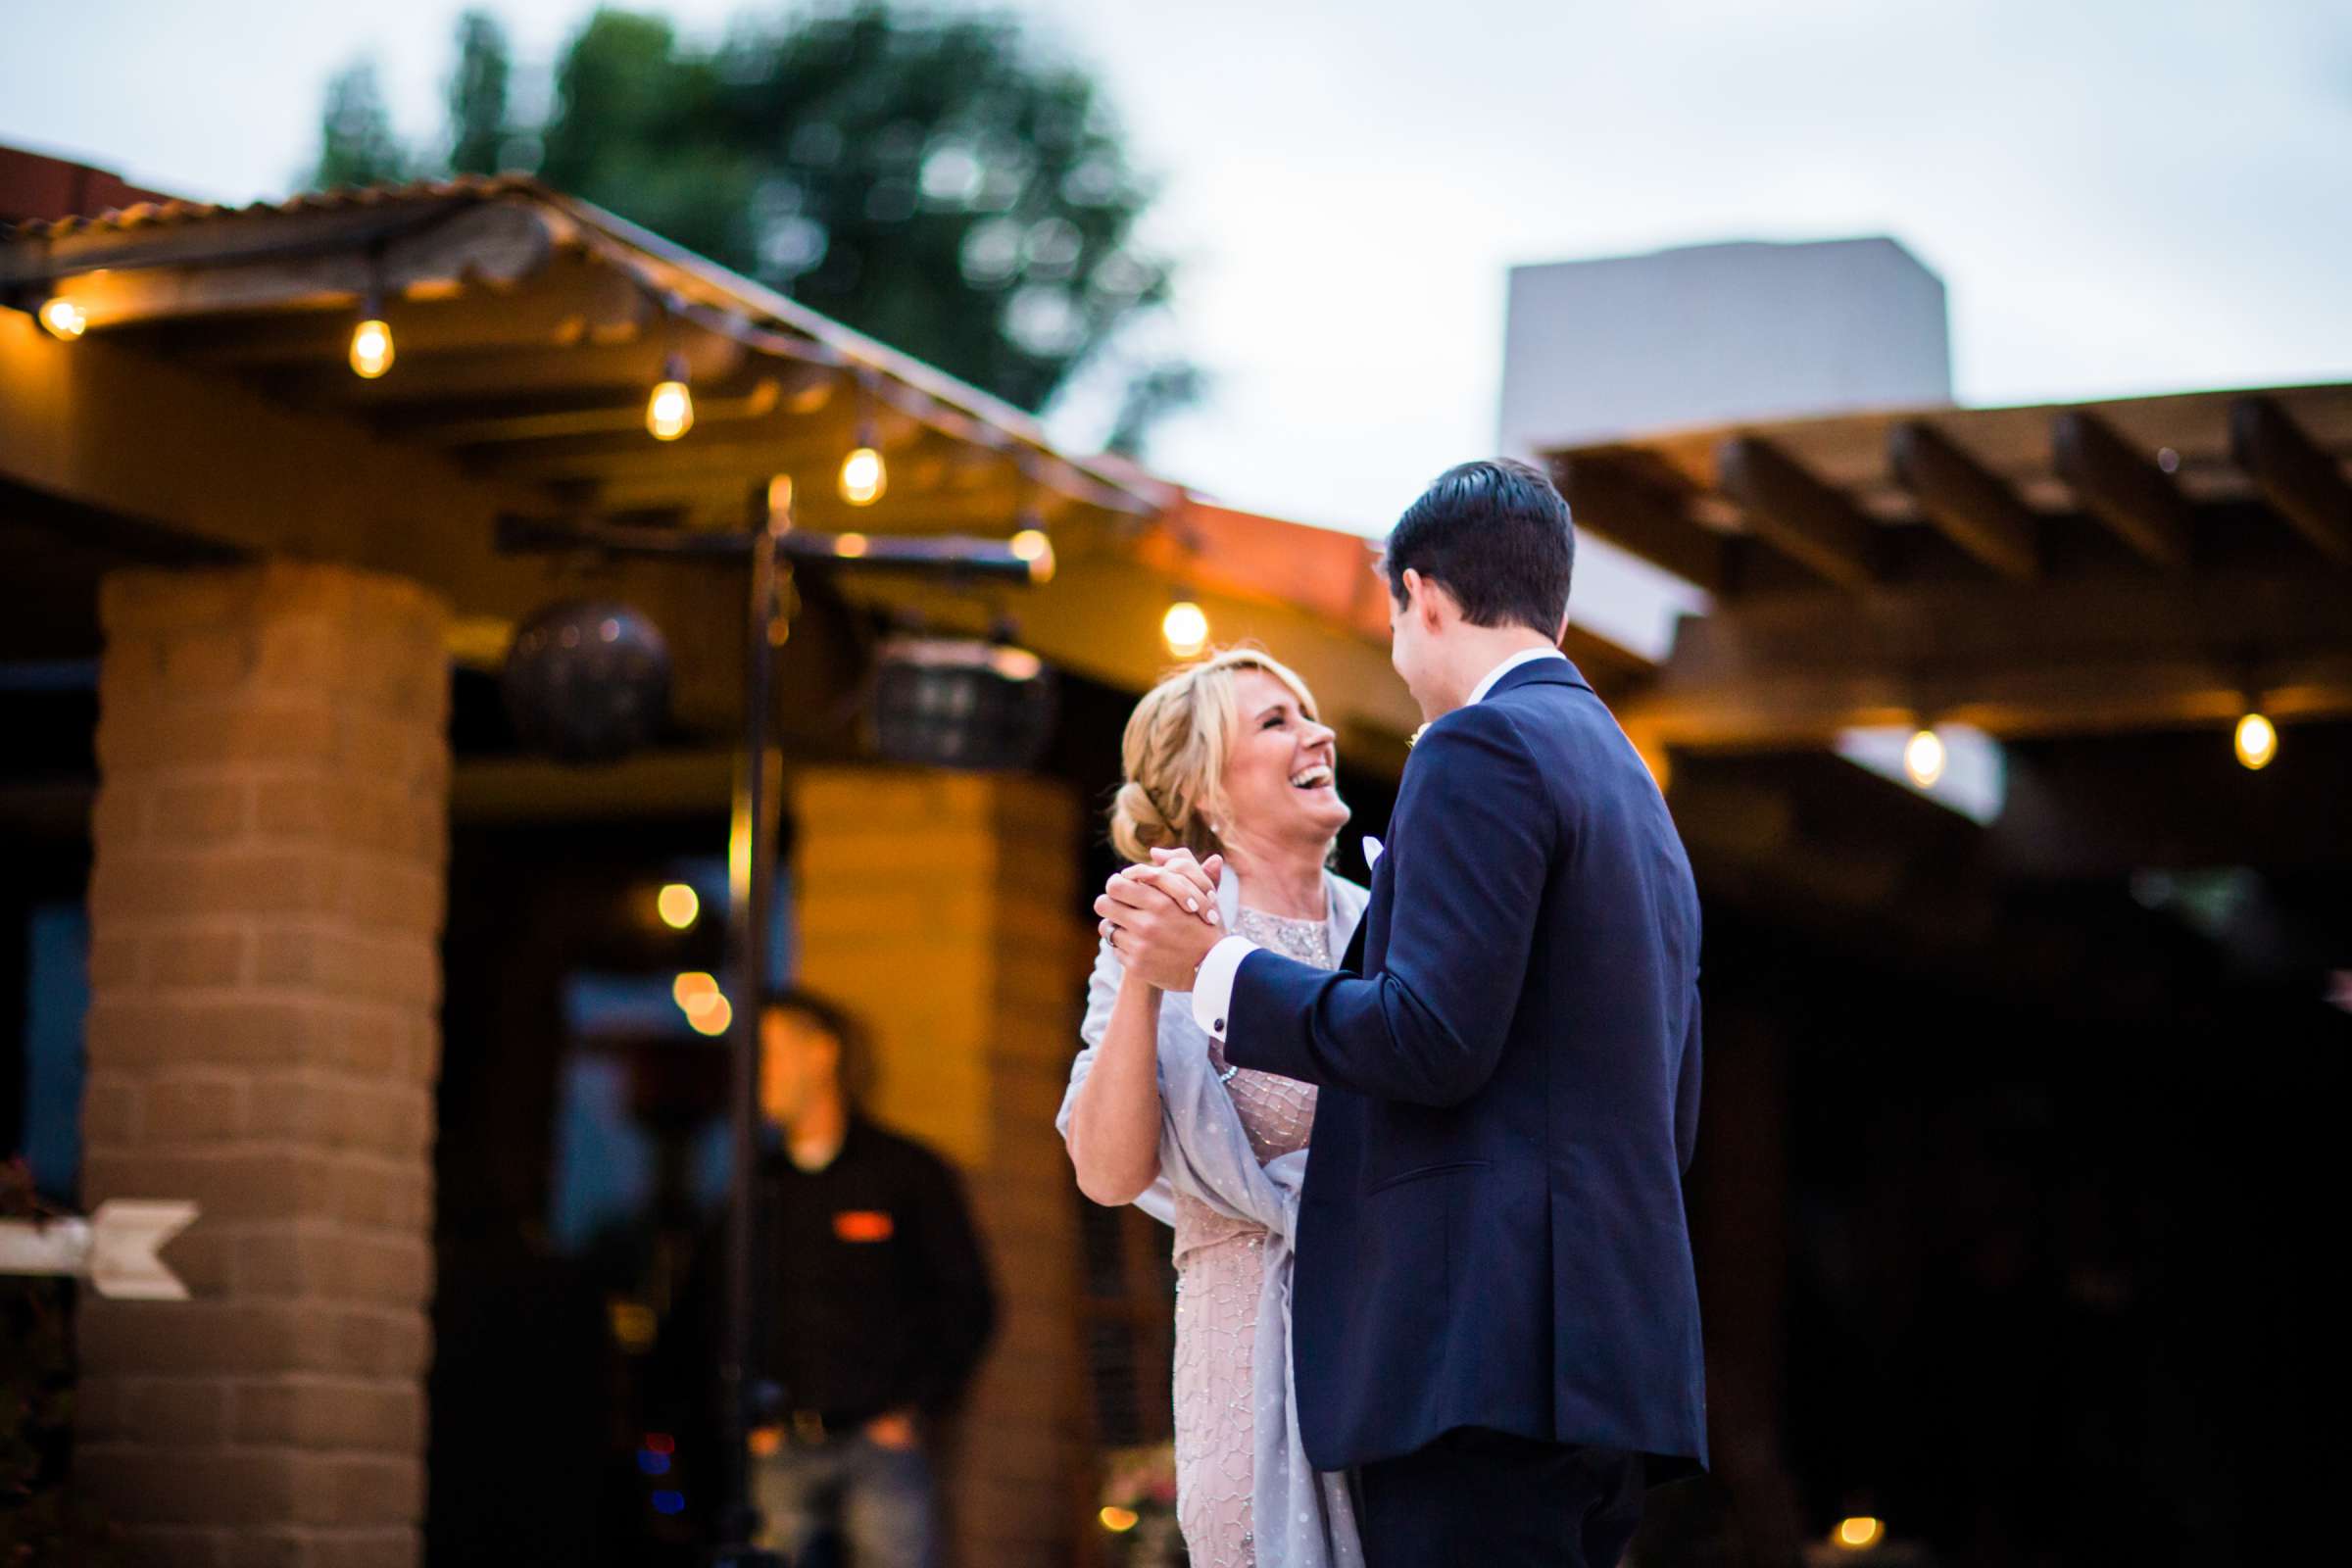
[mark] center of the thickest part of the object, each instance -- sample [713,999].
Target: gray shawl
[1301,1518]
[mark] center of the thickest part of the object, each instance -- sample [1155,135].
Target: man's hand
[1162,918]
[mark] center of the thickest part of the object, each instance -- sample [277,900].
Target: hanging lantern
[939,703]
[587,681]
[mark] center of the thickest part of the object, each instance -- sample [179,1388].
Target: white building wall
[1707,334]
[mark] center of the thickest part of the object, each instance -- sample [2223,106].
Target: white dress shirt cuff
[1212,985]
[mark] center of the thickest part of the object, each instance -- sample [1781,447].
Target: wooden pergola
[2142,563]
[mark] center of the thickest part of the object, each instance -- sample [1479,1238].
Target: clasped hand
[1161,920]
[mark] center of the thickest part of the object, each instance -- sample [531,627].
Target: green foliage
[478,129]
[356,143]
[939,181]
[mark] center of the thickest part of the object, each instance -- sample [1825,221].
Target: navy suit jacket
[1492,1229]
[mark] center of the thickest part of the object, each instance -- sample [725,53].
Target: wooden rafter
[1970,506]
[2302,483]
[1799,515]
[2014,658]
[1644,519]
[2120,488]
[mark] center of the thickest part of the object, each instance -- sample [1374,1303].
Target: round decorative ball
[587,681]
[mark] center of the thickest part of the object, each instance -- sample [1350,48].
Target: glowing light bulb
[1032,545]
[681,906]
[669,412]
[689,989]
[2257,740]
[370,349]
[1924,758]
[863,478]
[1183,628]
[1859,1534]
[849,545]
[711,1016]
[1119,1521]
[64,320]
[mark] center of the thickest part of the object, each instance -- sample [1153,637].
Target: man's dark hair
[839,1024]
[1497,536]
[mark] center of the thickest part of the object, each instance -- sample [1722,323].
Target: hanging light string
[640,256]
[957,413]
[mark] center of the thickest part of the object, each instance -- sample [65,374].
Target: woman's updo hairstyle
[1174,754]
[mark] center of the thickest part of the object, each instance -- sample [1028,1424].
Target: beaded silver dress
[1220,1271]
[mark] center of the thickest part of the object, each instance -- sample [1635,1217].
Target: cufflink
[1221,1026]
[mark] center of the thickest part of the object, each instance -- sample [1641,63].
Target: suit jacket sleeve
[1475,838]
[1685,1090]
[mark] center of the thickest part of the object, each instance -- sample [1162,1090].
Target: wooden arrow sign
[115,1248]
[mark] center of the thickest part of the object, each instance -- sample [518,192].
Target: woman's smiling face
[1280,780]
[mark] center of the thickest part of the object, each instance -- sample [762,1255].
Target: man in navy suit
[1497,1323]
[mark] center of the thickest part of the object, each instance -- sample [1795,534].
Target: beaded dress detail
[1220,1268]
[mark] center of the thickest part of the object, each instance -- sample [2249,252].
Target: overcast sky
[2123,197]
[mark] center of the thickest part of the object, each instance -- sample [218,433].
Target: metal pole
[750,854]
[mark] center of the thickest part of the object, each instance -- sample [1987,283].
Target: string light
[2257,740]
[1183,628]
[681,906]
[372,339]
[1119,1521]
[1033,545]
[1924,758]
[64,319]
[669,410]
[1859,1534]
[698,996]
[863,476]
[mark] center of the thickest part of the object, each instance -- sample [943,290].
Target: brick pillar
[265,966]
[944,908]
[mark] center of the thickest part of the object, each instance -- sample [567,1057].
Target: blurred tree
[356,143]
[938,181]
[479,127]
[935,180]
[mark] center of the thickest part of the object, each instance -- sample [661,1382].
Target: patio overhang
[2131,564]
[210,401]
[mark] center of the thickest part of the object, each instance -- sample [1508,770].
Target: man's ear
[1429,601]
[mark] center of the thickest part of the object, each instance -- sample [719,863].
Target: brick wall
[271,836]
[944,909]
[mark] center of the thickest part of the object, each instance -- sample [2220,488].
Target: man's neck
[1482,650]
[814,1137]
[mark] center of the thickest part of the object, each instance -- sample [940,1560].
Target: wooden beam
[1799,515]
[266,262]
[1968,504]
[1642,518]
[2111,655]
[2098,697]
[2120,488]
[2303,484]
[575,302]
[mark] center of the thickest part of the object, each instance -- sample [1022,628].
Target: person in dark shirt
[874,1297]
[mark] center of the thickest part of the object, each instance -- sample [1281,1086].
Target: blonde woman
[1226,759]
